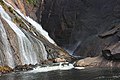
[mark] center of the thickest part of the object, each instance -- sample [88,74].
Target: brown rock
[97,62]
[88,62]
[5,69]
[60,60]
[17,4]
[24,67]
[112,52]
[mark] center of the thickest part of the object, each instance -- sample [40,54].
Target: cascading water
[38,46]
[31,50]
[40,30]
[37,26]
[27,54]
[6,48]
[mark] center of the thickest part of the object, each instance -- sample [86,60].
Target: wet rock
[60,60]
[24,67]
[112,52]
[49,61]
[107,54]
[5,69]
[56,60]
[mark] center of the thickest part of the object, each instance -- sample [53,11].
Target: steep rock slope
[23,41]
[77,24]
[84,27]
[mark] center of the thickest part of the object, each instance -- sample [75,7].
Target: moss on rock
[5,69]
[33,2]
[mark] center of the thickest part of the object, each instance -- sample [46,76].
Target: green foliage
[3,5]
[33,2]
[10,9]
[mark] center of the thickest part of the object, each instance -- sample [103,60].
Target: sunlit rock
[60,60]
[5,69]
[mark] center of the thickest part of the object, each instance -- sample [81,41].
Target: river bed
[73,74]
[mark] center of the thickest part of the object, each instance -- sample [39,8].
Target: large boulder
[112,52]
[97,62]
[5,69]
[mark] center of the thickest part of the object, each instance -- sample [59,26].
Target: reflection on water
[86,74]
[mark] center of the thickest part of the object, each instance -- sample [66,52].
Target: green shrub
[33,2]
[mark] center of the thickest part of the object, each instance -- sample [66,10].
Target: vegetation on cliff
[5,69]
[33,2]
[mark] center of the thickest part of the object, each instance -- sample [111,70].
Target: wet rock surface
[5,69]
[112,52]
[24,67]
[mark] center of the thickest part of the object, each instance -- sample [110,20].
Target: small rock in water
[5,69]
[24,67]
[60,60]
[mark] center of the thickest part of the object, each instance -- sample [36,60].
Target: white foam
[52,68]
[79,67]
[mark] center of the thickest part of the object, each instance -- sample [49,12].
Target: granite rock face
[22,42]
[112,52]
[79,25]
[83,27]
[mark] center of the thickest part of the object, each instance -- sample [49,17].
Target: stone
[60,60]
[112,52]
[79,25]
[24,67]
[5,69]
[88,62]
[98,62]
[87,28]
[107,54]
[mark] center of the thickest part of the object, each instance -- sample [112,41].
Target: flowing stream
[85,74]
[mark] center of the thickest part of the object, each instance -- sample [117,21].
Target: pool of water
[86,74]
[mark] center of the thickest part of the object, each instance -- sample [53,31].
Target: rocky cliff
[24,41]
[83,27]
[77,24]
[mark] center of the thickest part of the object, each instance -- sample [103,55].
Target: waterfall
[30,48]
[38,46]
[6,48]
[37,26]
[27,53]
[40,29]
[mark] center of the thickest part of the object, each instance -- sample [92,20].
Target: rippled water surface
[86,74]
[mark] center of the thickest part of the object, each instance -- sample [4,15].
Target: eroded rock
[24,67]
[60,60]
[112,52]
[5,69]
[97,62]
[88,62]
